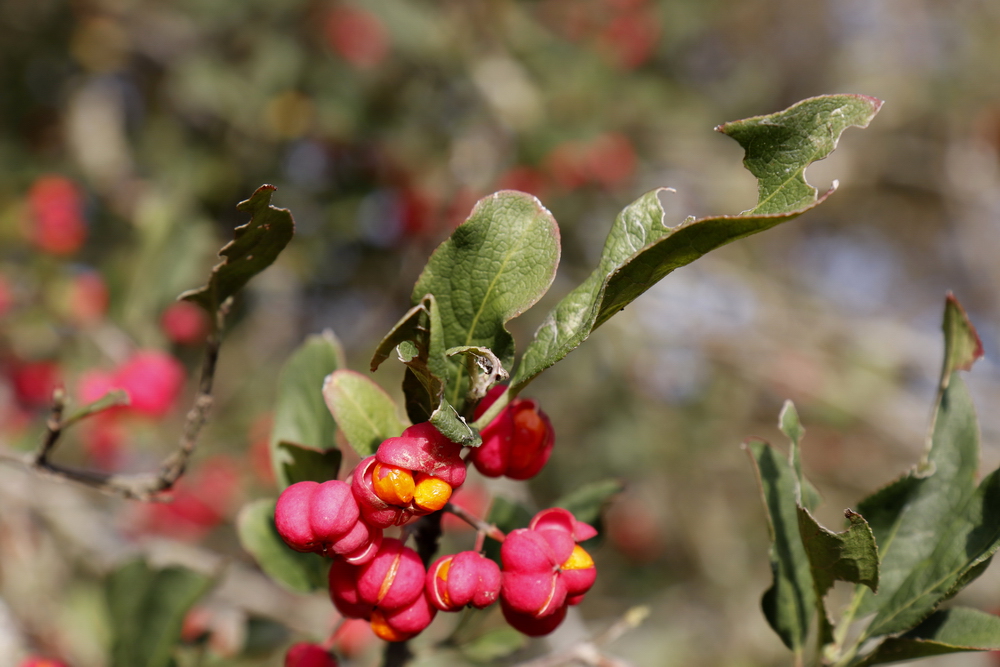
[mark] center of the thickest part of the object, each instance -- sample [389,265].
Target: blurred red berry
[6,296]
[185,323]
[87,298]
[153,381]
[524,178]
[566,164]
[199,502]
[55,207]
[34,382]
[631,37]
[357,36]
[611,159]
[353,636]
[309,655]
[34,661]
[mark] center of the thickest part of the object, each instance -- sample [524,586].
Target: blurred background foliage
[129,129]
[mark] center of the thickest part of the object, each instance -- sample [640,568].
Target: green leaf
[962,345]
[147,608]
[365,414]
[925,502]
[493,645]
[641,249]
[848,556]
[419,342]
[304,464]
[298,572]
[948,631]
[788,422]
[495,265]
[587,501]
[300,415]
[959,548]
[791,602]
[780,146]
[254,247]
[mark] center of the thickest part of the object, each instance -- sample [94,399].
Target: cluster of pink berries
[543,568]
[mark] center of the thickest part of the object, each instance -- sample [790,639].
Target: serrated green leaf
[968,539]
[298,572]
[493,645]
[587,501]
[147,608]
[791,602]
[926,501]
[300,414]
[948,631]
[365,414]
[254,247]
[641,249]
[788,422]
[495,265]
[304,464]
[850,555]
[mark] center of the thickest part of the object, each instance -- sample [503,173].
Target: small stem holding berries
[487,529]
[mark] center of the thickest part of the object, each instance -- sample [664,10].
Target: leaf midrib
[482,306]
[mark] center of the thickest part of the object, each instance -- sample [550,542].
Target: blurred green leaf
[790,603]
[494,266]
[641,249]
[365,414]
[254,247]
[298,572]
[264,636]
[788,422]
[929,499]
[300,414]
[587,501]
[847,556]
[493,645]
[147,608]
[304,464]
[948,631]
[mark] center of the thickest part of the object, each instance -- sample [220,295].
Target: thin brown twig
[465,515]
[142,486]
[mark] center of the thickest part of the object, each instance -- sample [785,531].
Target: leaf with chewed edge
[254,247]
[641,249]
[929,499]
